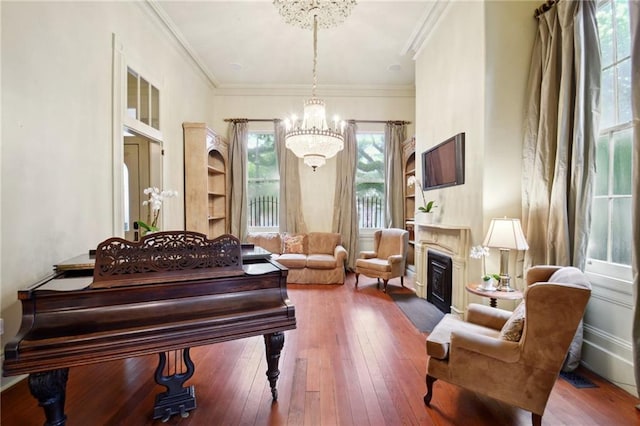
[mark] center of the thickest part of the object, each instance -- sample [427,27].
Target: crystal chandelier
[311,138]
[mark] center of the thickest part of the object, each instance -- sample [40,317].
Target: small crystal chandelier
[311,138]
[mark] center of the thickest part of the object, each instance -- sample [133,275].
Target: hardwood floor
[354,359]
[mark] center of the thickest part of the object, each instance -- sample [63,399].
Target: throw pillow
[512,329]
[294,244]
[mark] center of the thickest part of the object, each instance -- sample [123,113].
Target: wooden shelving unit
[205,180]
[409,169]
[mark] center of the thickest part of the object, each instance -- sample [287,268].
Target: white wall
[471,75]
[56,128]
[317,187]
[450,87]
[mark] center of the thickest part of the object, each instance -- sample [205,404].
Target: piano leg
[273,343]
[49,389]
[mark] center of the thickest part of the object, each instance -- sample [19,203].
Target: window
[370,180]
[263,181]
[143,100]
[610,237]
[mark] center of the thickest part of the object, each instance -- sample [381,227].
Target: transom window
[263,181]
[611,233]
[370,180]
[143,100]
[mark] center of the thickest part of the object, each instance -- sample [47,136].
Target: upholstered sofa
[313,258]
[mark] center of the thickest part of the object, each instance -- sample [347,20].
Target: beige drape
[560,133]
[345,214]
[634,12]
[394,135]
[237,188]
[291,217]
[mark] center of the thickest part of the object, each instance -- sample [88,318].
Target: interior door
[132,190]
[136,161]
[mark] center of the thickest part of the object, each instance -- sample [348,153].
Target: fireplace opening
[439,280]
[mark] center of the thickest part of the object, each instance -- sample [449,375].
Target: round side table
[493,295]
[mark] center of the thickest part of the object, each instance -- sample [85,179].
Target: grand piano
[164,294]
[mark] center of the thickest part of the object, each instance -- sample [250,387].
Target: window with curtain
[263,181]
[609,250]
[370,180]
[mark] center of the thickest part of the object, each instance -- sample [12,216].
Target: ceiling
[244,44]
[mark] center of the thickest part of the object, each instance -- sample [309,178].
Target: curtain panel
[345,215]
[561,129]
[291,217]
[394,135]
[237,186]
[634,14]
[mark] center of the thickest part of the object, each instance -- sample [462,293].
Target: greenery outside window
[609,250]
[263,181]
[370,180]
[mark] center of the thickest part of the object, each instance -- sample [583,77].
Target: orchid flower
[156,197]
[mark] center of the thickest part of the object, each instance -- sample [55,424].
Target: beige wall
[450,74]
[317,187]
[471,75]
[56,128]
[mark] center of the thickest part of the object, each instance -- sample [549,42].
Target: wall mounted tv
[443,164]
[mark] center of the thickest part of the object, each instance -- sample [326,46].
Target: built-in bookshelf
[205,180]
[409,169]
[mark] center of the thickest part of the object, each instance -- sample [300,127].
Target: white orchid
[427,207]
[156,197]
[480,252]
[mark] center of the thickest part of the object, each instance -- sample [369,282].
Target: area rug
[424,315]
[577,380]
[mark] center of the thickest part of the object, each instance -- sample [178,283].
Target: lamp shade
[506,233]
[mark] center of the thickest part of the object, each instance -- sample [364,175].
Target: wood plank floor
[354,359]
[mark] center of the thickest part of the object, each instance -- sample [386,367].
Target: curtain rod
[544,7]
[245,120]
[379,121]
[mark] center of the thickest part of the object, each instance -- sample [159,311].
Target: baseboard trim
[610,366]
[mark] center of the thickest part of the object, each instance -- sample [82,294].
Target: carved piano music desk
[169,292]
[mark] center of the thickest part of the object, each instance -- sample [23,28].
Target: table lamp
[505,234]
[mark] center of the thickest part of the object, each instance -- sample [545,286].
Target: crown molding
[335,91]
[182,41]
[424,28]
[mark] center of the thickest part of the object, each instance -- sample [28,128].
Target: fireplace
[451,241]
[439,280]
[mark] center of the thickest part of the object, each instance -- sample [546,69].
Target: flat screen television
[443,164]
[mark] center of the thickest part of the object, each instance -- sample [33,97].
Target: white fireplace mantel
[452,240]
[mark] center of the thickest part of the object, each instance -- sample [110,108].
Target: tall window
[610,238]
[370,180]
[263,181]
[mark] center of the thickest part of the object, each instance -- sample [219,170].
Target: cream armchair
[388,258]
[512,357]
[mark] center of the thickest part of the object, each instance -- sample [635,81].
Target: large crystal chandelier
[311,138]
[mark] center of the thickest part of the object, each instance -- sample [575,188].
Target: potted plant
[427,206]
[489,281]
[156,197]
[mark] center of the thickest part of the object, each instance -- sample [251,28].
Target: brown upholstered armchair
[388,258]
[512,357]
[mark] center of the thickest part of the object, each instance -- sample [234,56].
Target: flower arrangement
[427,207]
[156,197]
[480,252]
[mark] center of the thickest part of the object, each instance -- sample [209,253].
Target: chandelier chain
[315,55]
